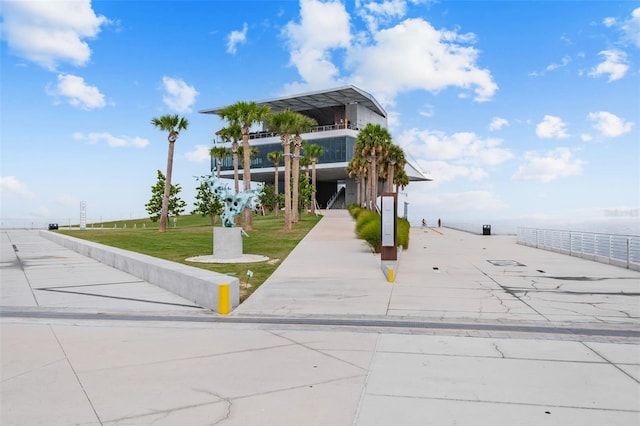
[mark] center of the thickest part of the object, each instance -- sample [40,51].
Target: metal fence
[619,250]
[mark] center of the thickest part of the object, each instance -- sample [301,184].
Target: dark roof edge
[361,92]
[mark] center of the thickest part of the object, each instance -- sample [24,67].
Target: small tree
[154,206]
[305,190]
[275,157]
[270,199]
[207,203]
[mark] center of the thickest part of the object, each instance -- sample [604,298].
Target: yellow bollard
[224,302]
[390,275]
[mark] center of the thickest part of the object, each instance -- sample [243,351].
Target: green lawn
[193,236]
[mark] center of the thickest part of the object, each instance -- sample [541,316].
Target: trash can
[486,229]
[53,226]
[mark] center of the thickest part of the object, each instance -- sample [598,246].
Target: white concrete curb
[197,285]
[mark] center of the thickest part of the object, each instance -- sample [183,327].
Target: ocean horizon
[614,226]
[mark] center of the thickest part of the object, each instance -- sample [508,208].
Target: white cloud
[447,171]
[563,63]
[609,22]
[235,38]
[631,27]
[460,202]
[431,59]
[551,127]
[179,96]
[449,157]
[374,14]
[77,92]
[11,185]
[586,137]
[465,147]
[550,166]
[50,32]
[615,65]
[609,125]
[427,111]
[112,141]
[498,123]
[323,27]
[199,155]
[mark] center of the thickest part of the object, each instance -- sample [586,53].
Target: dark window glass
[336,150]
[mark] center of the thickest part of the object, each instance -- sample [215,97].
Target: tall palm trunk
[164,214]
[295,214]
[234,150]
[374,184]
[313,186]
[275,190]
[287,185]
[246,176]
[390,171]
[370,179]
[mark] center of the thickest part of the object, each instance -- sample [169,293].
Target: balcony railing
[619,250]
[325,128]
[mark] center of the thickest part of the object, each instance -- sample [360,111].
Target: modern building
[341,113]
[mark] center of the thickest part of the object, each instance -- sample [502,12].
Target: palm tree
[371,143]
[253,152]
[303,125]
[275,157]
[232,134]
[392,161]
[245,114]
[400,179]
[358,168]
[313,152]
[283,123]
[172,124]
[305,161]
[219,153]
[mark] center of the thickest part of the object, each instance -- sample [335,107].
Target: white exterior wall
[361,116]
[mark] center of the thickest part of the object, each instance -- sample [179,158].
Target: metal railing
[334,197]
[618,250]
[325,128]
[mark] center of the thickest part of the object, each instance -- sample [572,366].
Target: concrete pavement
[475,330]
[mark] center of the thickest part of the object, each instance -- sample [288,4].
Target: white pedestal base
[227,243]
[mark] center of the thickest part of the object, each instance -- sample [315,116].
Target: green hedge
[403,233]
[368,228]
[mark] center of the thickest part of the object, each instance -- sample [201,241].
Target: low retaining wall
[194,284]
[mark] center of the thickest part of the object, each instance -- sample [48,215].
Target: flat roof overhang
[315,100]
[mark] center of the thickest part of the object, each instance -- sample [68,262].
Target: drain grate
[505,263]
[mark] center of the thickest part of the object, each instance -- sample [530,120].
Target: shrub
[365,217]
[403,232]
[370,232]
[355,210]
[368,228]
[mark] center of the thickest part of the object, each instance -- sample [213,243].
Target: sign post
[389,248]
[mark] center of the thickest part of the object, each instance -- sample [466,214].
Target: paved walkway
[475,330]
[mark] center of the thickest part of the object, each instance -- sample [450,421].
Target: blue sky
[520,110]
